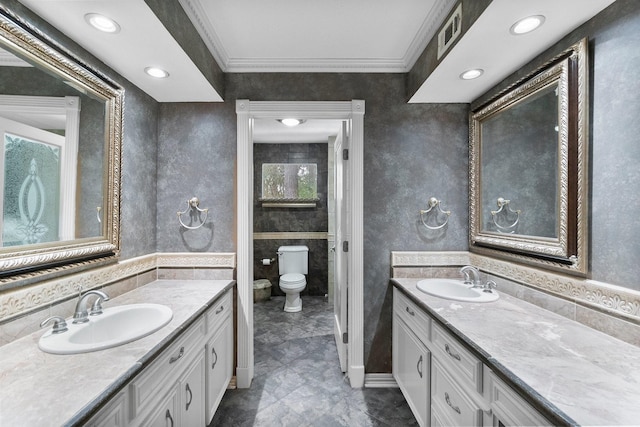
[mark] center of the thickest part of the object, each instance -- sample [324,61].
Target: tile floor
[297,378]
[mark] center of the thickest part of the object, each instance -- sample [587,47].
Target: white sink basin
[456,290]
[116,326]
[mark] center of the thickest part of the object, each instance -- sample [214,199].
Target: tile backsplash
[607,308]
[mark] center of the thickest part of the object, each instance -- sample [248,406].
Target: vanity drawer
[509,408]
[463,365]
[413,316]
[453,405]
[167,368]
[219,311]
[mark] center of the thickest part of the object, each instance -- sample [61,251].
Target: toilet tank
[293,259]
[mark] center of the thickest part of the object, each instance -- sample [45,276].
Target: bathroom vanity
[507,363]
[175,376]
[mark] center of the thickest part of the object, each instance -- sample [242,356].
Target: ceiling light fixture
[291,122]
[156,72]
[472,74]
[102,23]
[526,25]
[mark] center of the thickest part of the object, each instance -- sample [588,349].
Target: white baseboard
[380,381]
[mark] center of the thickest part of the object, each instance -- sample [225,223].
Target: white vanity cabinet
[443,382]
[411,357]
[219,353]
[185,383]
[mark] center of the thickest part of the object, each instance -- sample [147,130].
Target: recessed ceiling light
[291,122]
[526,25]
[102,23]
[156,72]
[472,74]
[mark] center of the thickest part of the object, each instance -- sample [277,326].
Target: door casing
[246,112]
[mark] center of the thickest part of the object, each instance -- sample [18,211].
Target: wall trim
[23,300]
[292,235]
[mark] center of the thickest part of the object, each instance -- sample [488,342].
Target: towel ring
[434,203]
[502,203]
[194,210]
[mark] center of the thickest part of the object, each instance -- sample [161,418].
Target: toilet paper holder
[268,261]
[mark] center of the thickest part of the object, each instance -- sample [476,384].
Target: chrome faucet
[81,315]
[471,276]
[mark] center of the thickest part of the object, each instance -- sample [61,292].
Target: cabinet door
[219,366]
[192,394]
[166,413]
[411,369]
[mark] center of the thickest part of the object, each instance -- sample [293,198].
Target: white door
[342,234]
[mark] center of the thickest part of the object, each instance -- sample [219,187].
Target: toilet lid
[292,278]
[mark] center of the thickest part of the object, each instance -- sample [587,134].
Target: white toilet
[293,264]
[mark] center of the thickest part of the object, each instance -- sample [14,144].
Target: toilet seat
[292,280]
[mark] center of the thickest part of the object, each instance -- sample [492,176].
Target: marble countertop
[41,389]
[573,373]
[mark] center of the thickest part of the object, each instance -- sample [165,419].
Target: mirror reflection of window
[30,186]
[289,181]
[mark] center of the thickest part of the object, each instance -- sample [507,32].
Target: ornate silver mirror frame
[567,250]
[30,262]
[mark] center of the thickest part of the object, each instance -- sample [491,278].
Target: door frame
[246,112]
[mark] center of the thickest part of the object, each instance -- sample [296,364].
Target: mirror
[528,167]
[60,131]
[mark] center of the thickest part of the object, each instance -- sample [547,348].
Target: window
[289,183]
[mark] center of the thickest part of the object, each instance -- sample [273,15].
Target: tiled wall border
[614,300]
[19,301]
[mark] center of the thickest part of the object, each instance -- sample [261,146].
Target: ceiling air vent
[450,31]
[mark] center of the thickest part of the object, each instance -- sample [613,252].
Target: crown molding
[196,12]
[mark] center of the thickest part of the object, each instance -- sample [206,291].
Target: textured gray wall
[412,152]
[615,174]
[614,223]
[196,157]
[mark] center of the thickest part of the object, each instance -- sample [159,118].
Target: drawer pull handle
[178,357]
[411,312]
[455,408]
[168,416]
[419,366]
[219,310]
[215,360]
[188,390]
[450,353]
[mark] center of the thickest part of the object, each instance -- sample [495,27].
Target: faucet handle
[490,285]
[59,324]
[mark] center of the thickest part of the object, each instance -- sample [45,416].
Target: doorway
[353,113]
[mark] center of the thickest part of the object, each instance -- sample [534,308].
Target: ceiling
[268,131]
[315,36]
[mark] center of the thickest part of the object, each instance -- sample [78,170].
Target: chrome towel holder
[434,205]
[193,207]
[502,204]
